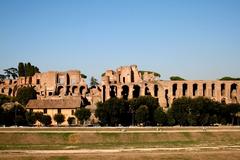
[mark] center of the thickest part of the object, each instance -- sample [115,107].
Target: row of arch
[125,91]
[195,89]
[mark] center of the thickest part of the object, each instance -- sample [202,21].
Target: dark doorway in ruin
[68,90]
[10,91]
[68,80]
[233,93]
[113,91]
[222,89]
[60,90]
[125,92]
[213,90]
[195,89]
[184,89]
[132,76]
[155,90]
[2,90]
[74,89]
[136,91]
[166,97]
[147,92]
[123,79]
[174,89]
[204,89]
[104,93]
[81,89]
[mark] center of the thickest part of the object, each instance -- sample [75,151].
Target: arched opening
[166,97]
[60,90]
[147,92]
[9,91]
[213,90]
[2,90]
[104,93]
[184,89]
[155,90]
[233,93]
[132,76]
[81,89]
[136,91]
[113,91]
[222,89]
[68,80]
[195,89]
[125,92]
[204,89]
[74,89]
[174,89]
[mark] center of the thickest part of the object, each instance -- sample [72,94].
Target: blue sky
[195,39]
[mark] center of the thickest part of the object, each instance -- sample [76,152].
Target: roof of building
[54,103]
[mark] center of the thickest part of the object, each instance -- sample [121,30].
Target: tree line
[185,111]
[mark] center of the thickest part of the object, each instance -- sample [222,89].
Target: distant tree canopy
[229,79]
[10,73]
[27,69]
[176,78]
[150,72]
[93,82]
[24,94]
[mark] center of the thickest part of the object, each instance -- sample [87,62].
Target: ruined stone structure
[128,82]
[64,92]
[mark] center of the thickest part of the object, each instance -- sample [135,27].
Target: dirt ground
[162,155]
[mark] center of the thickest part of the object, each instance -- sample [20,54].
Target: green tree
[160,116]
[31,118]
[93,82]
[21,70]
[24,94]
[82,114]
[142,114]
[11,72]
[233,110]
[71,120]
[46,120]
[113,112]
[176,78]
[2,77]
[59,118]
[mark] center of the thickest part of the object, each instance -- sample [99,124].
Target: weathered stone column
[130,94]
[107,92]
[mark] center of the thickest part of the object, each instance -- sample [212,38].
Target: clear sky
[195,39]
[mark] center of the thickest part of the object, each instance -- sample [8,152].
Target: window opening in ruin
[132,76]
[195,89]
[213,90]
[125,92]
[81,89]
[45,110]
[59,111]
[123,79]
[72,111]
[222,89]
[184,89]
[30,80]
[74,89]
[104,93]
[136,91]
[68,90]
[204,89]
[38,81]
[174,89]
[68,79]
[166,97]
[50,93]
[147,92]
[155,90]
[113,91]
[233,93]
[2,90]
[10,81]
[10,91]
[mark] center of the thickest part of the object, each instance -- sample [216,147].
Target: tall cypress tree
[21,69]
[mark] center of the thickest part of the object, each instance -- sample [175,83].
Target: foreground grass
[54,141]
[209,155]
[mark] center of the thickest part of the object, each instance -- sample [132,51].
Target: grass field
[22,139]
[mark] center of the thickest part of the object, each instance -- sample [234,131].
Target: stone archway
[136,91]
[125,92]
[113,91]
